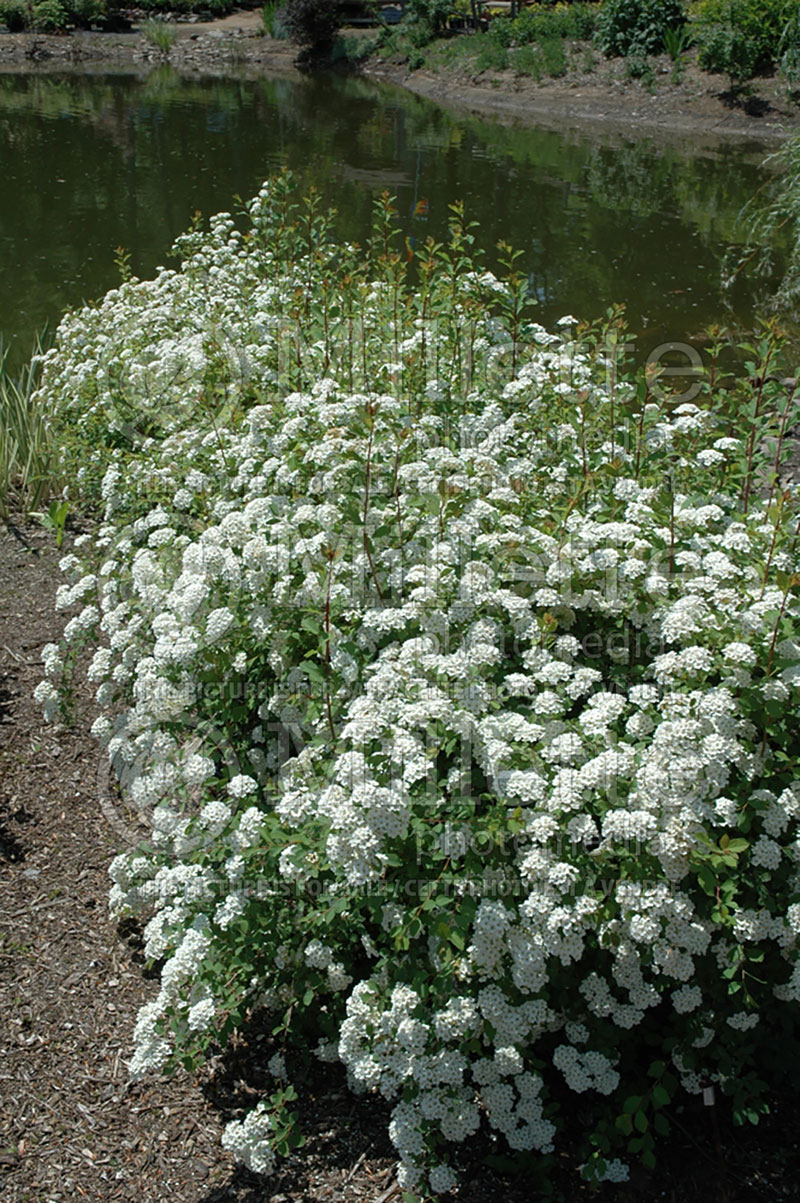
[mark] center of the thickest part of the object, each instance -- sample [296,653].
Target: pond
[91,163]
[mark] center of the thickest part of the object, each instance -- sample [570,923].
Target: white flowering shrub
[457,677]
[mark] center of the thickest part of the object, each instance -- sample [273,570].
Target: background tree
[313,24]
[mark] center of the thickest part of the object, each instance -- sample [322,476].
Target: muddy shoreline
[699,109]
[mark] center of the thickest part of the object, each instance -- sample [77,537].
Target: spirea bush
[456,674]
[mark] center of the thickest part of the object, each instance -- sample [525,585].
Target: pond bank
[233,44]
[700,105]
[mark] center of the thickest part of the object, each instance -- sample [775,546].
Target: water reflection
[92,163]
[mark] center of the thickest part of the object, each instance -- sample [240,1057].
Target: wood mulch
[72,1127]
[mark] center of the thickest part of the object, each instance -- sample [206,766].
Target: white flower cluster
[250,1140]
[429,608]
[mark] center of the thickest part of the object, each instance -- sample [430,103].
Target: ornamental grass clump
[26,456]
[455,672]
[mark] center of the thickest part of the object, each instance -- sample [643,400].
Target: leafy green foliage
[677,41]
[273,14]
[312,24]
[549,57]
[159,34]
[537,23]
[49,16]
[531,626]
[554,56]
[16,14]
[54,519]
[771,222]
[741,38]
[352,48]
[790,47]
[493,56]
[430,16]
[25,439]
[84,13]
[637,27]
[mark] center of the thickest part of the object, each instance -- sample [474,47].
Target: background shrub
[426,19]
[536,24]
[85,13]
[313,23]
[49,16]
[16,14]
[742,38]
[772,219]
[637,26]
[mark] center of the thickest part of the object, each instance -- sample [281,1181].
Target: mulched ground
[71,1125]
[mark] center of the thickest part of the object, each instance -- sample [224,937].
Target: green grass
[548,58]
[352,49]
[527,60]
[492,56]
[554,56]
[500,48]
[537,24]
[463,48]
[25,445]
[159,34]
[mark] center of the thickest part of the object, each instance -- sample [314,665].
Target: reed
[25,438]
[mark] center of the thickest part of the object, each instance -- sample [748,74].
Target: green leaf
[314,672]
[640,1121]
[660,1096]
[738,845]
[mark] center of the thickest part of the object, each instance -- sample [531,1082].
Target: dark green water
[91,163]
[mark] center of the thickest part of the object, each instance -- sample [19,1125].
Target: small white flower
[241,786]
